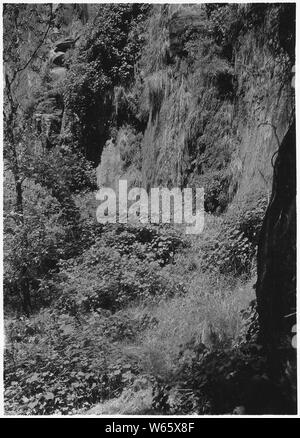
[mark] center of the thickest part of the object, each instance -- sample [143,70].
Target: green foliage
[62,171]
[116,305]
[122,267]
[221,379]
[209,312]
[225,380]
[233,250]
[50,228]
[32,247]
[216,196]
[104,59]
[146,242]
[56,364]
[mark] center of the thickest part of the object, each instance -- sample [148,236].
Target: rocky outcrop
[64,45]
[58,58]
[50,118]
[218,124]
[58,73]
[47,118]
[182,24]
[52,121]
[57,54]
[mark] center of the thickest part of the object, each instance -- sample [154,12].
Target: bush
[122,267]
[104,59]
[218,380]
[151,243]
[233,250]
[57,364]
[224,381]
[33,247]
[227,379]
[208,313]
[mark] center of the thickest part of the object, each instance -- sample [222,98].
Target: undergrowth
[121,310]
[140,299]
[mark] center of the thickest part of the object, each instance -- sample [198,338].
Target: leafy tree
[42,221]
[33,245]
[21,23]
[105,58]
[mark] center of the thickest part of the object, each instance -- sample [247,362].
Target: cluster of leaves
[234,249]
[33,246]
[50,228]
[146,242]
[68,358]
[122,267]
[56,363]
[62,167]
[277,22]
[250,327]
[104,59]
[222,379]
[216,193]
[226,381]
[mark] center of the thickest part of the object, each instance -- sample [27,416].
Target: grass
[153,339]
[131,402]
[209,313]
[149,337]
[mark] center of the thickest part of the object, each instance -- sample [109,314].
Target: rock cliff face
[52,118]
[49,110]
[223,128]
[215,107]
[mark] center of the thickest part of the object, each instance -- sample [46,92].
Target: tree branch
[36,49]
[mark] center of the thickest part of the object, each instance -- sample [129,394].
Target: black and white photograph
[149,211]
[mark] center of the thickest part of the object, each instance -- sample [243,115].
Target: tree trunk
[11,145]
[276,264]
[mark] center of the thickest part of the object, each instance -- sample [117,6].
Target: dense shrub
[219,379]
[226,379]
[32,247]
[151,243]
[61,170]
[233,250]
[122,267]
[209,313]
[55,363]
[52,227]
[104,59]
